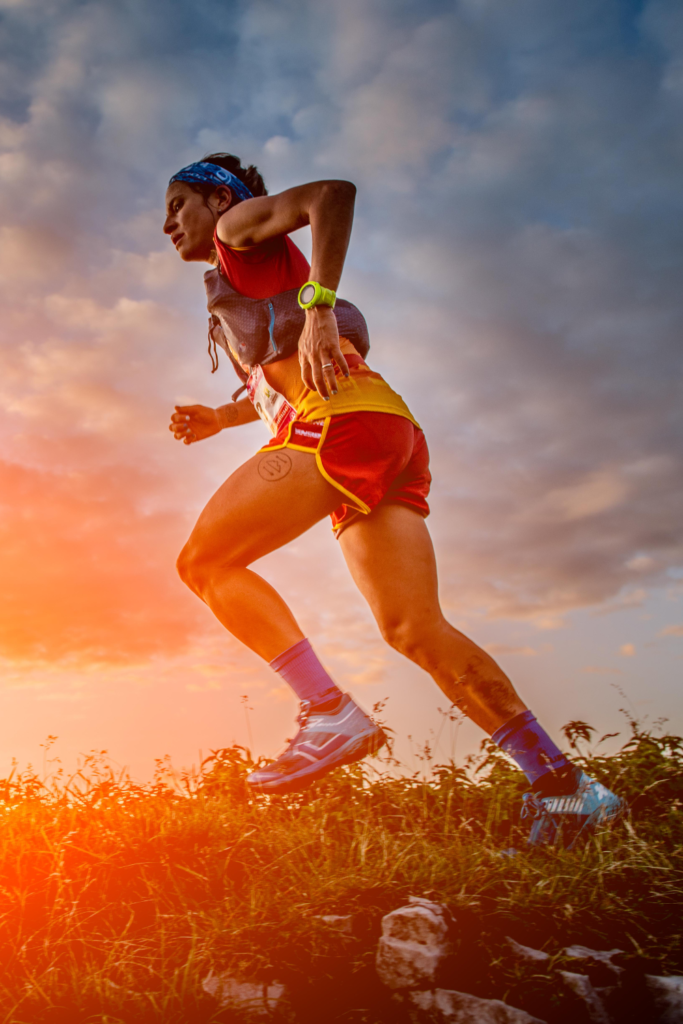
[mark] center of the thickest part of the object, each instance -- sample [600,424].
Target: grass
[116,899]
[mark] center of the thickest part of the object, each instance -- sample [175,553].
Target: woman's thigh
[391,558]
[271,499]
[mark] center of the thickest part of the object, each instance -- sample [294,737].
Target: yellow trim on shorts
[277,447]
[359,504]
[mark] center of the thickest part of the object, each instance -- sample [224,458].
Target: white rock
[342,923]
[447,1007]
[415,940]
[526,952]
[600,955]
[667,995]
[583,953]
[580,985]
[254,1001]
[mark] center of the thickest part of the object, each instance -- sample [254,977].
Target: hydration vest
[256,332]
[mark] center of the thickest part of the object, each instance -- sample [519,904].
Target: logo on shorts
[307,435]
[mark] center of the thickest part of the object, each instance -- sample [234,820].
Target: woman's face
[190,221]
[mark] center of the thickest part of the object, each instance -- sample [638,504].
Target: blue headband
[212,174]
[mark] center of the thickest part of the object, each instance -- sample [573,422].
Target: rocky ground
[421,972]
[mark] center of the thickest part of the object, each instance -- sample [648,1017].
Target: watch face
[308,294]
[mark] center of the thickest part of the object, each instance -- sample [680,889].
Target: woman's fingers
[330,377]
[327,339]
[180,425]
[180,418]
[190,423]
[183,434]
[306,371]
[318,373]
[338,356]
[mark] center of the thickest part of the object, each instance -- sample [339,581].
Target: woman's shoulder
[260,253]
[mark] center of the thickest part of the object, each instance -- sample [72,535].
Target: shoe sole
[600,816]
[356,749]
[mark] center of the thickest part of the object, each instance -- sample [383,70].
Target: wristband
[313,294]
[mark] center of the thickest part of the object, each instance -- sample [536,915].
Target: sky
[517,253]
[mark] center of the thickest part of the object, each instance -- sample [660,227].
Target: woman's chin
[190,255]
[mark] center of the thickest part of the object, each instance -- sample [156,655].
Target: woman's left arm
[190,423]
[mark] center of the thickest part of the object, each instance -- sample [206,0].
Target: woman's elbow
[344,190]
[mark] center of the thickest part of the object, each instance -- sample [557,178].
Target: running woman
[345,446]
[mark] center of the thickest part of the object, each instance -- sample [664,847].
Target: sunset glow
[518,261]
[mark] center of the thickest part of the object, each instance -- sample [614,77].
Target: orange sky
[523,296]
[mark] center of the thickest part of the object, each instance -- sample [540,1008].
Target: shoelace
[304,713]
[532,807]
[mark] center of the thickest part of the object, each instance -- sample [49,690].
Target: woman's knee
[194,566]
[423,639]
[405,636]
[201,561]
[185,565]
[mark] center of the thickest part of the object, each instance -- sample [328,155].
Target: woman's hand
[191,423]
[318,346]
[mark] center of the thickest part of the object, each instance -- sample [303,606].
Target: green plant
[117,898]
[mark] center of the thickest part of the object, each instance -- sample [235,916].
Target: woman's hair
[249,175]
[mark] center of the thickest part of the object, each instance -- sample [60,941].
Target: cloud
[601,670]
[671,631]
[78,586]
[627,598]
[639,563]
[511,649]
[517,253]
[627,650]
[597,492]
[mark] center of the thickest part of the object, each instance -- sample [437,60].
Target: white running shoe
[325,740]
[573,815]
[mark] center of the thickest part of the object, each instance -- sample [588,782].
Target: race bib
[272,407]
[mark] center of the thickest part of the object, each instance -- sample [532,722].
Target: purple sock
[299,666]
[531,747]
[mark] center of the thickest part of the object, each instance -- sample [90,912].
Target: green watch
[313,294]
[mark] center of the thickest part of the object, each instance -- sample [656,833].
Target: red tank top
[263,270]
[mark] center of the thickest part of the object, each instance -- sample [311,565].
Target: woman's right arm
[190,423]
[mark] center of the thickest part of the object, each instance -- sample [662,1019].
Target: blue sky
[517,253]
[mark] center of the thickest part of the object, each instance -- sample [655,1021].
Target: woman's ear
[221,200]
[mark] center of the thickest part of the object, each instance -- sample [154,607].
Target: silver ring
[325,365]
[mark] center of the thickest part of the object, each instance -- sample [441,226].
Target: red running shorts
[373,458]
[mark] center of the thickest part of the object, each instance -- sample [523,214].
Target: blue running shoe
[573,815]
[325,740]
